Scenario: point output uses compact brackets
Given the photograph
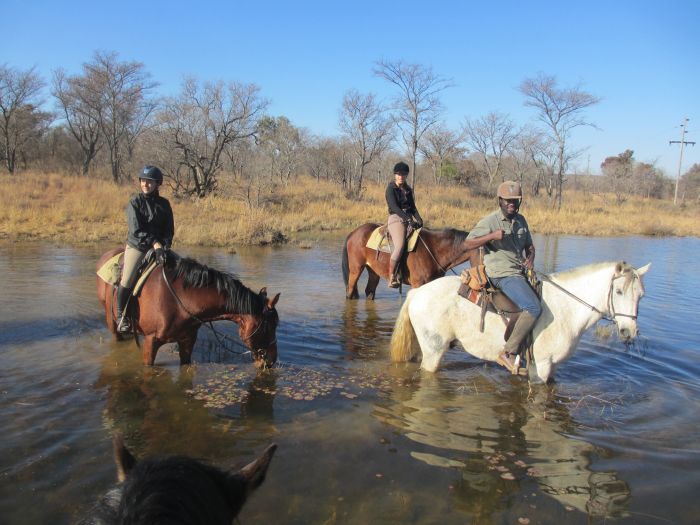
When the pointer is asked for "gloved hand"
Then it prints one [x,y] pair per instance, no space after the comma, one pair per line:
[160,256]
[417,223]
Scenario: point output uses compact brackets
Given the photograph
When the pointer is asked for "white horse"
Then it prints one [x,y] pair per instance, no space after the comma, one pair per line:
[434,316]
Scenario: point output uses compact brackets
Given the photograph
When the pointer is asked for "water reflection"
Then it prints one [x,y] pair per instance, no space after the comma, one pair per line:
[501,439]
[154,409]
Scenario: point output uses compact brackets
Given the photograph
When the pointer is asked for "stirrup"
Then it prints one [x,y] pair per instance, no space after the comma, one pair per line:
[394,283]
[124,326]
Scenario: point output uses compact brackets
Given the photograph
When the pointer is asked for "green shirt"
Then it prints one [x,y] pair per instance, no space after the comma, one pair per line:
[503,258]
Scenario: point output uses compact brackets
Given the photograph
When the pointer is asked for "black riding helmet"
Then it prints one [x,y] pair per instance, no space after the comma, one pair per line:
[152,173]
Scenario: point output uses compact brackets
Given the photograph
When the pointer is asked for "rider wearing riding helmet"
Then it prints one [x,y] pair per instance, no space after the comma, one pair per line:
[151,226]
[402,214]
[506,237]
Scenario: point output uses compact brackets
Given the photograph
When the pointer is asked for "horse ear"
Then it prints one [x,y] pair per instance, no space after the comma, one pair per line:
[271,303]
[253,474]
[122,457]
[644,269]
[263,291]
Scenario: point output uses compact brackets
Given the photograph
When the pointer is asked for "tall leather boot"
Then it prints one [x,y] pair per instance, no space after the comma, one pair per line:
[522,327]
[393,281]
[123,294]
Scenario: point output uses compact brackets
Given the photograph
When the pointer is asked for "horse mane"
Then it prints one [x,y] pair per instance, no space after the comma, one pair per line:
[239,298]
[579,271]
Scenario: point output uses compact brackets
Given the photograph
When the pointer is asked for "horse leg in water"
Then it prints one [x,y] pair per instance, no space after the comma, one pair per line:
[184,348]
[372,283]
[353,276]
[150,349]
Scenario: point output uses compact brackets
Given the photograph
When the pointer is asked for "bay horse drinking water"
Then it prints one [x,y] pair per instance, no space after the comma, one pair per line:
[434,316]
[175,301]
[436,252]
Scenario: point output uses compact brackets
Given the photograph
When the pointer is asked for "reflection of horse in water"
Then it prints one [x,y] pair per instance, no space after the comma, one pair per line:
[489,433]
[435,316]
[176,490]
[175,301]
[436,252]
[155,410]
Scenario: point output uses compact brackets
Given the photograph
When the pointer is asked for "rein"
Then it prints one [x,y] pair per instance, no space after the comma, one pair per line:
[611,305]
[218,335]
[444,271]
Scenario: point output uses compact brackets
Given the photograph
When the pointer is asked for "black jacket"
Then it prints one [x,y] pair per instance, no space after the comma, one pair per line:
[150,219]
[400,202]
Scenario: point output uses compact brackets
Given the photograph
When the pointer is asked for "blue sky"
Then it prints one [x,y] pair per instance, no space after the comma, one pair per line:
[640,57]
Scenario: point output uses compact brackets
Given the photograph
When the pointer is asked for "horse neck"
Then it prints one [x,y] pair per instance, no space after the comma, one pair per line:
[449,254]
[207,304]
[593,288]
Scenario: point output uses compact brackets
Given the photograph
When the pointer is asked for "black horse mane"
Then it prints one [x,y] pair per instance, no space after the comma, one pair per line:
[239,298]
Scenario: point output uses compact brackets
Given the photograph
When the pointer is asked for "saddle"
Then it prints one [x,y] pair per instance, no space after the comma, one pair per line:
[380,240]
[111,271]
[491,299]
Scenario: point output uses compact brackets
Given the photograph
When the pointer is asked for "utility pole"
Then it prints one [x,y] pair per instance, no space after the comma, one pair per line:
[682,142]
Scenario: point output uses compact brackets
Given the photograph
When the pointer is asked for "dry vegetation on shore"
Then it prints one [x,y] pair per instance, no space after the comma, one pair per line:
[75,210]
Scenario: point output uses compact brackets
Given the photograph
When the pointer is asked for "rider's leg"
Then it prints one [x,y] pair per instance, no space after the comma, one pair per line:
[397,230]
[132,260]
[526,299]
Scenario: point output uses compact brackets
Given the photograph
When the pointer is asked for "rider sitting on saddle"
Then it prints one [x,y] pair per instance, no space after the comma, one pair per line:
[402,214]
[506,238]
[151,226]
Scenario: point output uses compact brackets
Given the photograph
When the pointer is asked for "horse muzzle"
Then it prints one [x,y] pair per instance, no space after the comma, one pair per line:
[265,357]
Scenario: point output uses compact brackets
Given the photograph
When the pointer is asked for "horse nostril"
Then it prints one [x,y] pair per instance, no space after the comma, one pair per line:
[625,333]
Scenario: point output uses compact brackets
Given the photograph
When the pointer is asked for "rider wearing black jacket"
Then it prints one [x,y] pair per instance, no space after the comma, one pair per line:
[151,226]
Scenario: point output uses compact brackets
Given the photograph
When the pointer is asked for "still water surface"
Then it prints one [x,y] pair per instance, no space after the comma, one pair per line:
[361,440]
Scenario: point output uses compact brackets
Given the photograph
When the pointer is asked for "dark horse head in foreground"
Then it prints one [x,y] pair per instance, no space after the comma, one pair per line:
[175,301]
[176,490]
[436,252]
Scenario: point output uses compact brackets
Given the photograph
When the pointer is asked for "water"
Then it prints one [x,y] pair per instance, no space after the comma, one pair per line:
[361,440]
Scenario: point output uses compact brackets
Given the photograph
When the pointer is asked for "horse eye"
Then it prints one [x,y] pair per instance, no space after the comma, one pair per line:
[618,291]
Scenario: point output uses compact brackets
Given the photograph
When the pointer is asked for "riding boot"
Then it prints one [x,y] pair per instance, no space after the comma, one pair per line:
[393,281]
[522,327]
[123,294]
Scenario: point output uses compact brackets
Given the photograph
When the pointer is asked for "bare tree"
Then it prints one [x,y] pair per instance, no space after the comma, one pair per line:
[202,121]
[618,170]
[560,110]
[284,145]
[440,144]
[21,120]
[491,136]
[119,94]
[82,119]
[368,130]
[418,106]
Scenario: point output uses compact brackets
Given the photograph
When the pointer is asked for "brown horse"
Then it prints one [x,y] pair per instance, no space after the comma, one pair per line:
[176,300]
[436,252]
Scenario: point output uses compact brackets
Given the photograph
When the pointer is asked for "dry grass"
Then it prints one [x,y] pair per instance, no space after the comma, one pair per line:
[76,210]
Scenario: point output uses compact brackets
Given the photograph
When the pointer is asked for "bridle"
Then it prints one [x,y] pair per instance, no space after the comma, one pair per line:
[220,336]
[612,314]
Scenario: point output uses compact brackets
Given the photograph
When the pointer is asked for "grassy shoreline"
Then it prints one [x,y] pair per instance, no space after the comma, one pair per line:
[76,210]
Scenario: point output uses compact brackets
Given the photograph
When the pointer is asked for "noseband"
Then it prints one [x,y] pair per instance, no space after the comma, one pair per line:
[611,302]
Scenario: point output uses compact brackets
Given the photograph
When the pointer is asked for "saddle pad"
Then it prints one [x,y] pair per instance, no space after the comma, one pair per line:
[111,272]
[380,242]
[143,277]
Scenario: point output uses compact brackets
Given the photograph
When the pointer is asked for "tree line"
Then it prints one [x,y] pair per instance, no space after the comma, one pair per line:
[108,119]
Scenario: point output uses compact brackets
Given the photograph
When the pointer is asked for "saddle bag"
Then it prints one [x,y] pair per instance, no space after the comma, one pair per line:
[475,277]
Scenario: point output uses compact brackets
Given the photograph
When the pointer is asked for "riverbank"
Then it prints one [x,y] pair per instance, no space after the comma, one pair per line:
[77,210]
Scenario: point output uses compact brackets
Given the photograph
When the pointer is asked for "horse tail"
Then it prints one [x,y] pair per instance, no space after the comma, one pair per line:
[346,264]
[403,340]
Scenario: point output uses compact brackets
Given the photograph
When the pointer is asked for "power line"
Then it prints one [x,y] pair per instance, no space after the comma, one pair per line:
[682,142]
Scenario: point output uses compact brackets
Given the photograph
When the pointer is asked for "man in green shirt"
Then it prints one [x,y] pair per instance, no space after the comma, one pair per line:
[505,235]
